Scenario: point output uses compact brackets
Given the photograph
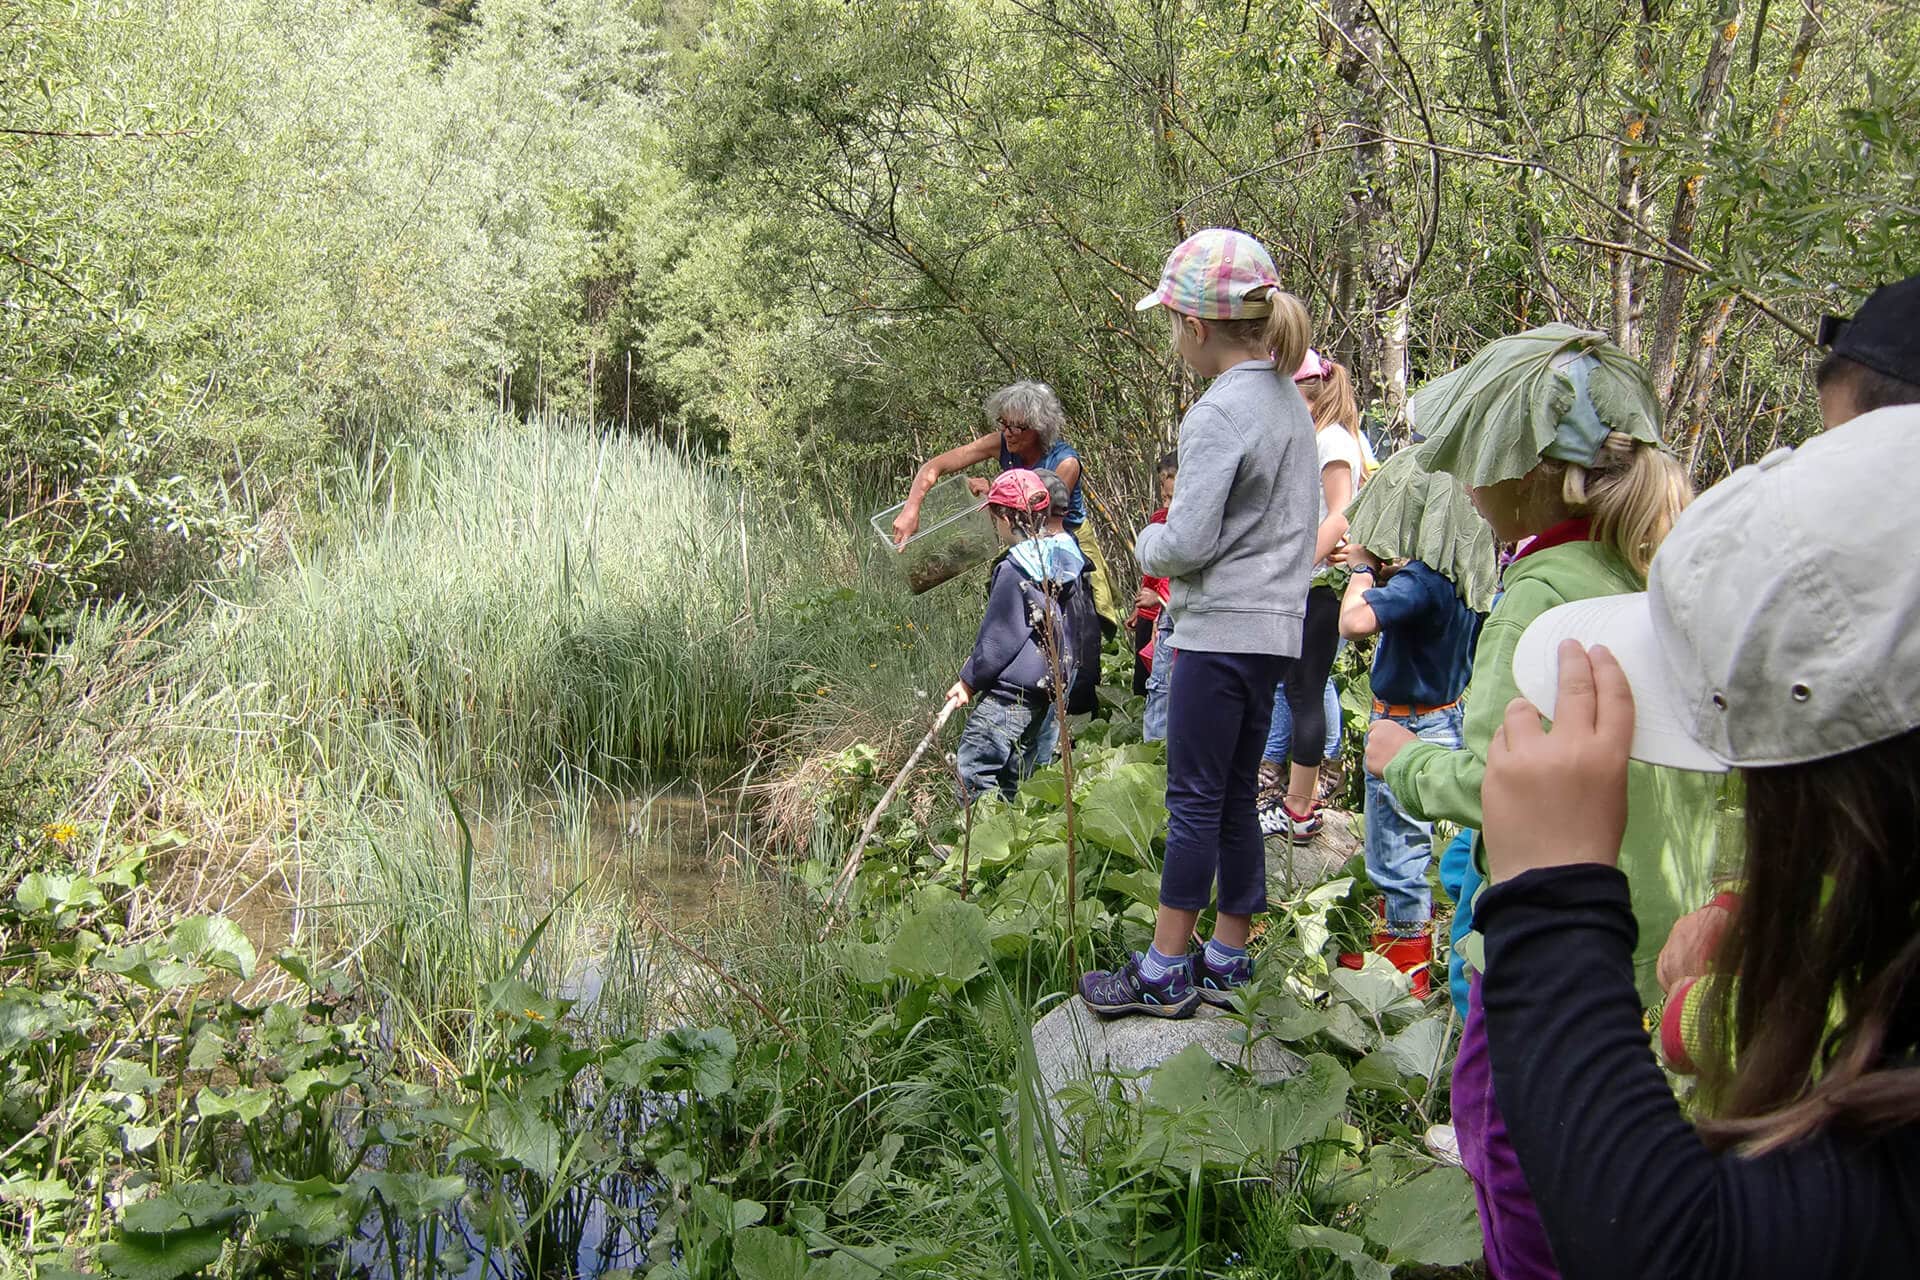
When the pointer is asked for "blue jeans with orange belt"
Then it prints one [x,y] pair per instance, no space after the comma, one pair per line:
[1400,846]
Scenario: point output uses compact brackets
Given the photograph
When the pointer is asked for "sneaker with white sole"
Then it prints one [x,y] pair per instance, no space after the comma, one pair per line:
[1277,819]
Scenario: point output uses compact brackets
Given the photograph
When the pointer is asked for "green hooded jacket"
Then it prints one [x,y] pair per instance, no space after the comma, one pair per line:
[1676,821]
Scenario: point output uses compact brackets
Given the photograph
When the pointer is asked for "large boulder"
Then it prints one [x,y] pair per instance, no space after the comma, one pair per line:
[1295,867]
[1074,1044]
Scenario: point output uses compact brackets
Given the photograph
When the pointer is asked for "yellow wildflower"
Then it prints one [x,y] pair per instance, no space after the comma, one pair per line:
[59,832]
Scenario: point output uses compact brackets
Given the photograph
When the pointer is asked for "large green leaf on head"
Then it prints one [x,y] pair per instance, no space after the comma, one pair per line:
[1405,512]
[1496,416]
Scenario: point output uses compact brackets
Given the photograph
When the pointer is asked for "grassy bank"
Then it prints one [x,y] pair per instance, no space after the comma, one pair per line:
[323,964]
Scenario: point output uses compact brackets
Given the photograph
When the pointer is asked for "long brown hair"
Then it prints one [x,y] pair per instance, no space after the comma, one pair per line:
[1823,954]
[1333,403]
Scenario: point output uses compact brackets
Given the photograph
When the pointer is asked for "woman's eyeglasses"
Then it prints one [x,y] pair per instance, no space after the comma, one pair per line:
[1012,426]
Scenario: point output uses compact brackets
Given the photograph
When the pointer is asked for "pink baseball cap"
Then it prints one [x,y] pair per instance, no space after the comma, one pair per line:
[1314,366]
[1211,275]
[1019,489]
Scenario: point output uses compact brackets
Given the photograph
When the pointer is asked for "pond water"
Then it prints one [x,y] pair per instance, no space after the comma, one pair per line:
[675,859]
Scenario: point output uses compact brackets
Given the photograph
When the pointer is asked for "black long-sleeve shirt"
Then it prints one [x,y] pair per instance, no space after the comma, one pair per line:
[1624,1186]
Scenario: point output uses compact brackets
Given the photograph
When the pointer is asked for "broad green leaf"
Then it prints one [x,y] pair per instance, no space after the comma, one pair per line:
[182,1207]
[1375,988]
[944,945]
[707,1054]
[1298,1109]
[244,1105]
[415,1197]
[761,1253]
[1420,1048]
[1125,810]
[849,1263]
[1430,1220]
[163,1257]
[214,941]
[1350,1249]
[21,1190]
[869,1179]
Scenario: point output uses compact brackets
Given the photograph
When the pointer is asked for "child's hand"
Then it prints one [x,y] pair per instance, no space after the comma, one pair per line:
[1146,598]
[1559,796]
[1385,740]
[1350,555]
[1690,948]
[958,695]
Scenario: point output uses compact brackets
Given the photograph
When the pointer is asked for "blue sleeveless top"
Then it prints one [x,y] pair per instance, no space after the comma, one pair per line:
[1061,451]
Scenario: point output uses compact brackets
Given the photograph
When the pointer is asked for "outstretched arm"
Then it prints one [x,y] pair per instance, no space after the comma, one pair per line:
[907,523]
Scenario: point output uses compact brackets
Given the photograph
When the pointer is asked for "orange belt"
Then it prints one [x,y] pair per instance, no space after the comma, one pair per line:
[1406,712]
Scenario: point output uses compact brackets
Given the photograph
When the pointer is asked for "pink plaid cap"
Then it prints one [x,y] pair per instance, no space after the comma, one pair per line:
[1314,366]
[1020,489]
[1210,274]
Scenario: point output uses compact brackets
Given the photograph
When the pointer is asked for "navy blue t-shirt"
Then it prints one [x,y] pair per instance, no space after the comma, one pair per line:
[1426,638]
[1061,451]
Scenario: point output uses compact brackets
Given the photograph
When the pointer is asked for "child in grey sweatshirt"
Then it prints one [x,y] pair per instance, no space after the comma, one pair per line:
[1238,547]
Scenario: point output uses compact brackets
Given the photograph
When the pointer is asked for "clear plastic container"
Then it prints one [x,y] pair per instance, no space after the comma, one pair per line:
[955,534]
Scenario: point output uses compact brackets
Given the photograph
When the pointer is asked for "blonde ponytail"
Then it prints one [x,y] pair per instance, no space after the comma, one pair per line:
[1288,332]
[1284,332]
[1633,493]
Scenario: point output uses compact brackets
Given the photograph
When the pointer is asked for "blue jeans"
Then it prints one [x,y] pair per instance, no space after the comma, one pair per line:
[1280,733]
[1004,741]
[1399,845]
[1153,723]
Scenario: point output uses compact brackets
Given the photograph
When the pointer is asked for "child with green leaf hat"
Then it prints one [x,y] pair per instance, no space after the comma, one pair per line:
[1556,435]
[1422,567]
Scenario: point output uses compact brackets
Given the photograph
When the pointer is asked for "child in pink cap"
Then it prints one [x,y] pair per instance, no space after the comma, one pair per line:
[1237,547]
[1012,729]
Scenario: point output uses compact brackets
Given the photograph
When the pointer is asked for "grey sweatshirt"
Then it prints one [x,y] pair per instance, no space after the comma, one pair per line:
[1238,541]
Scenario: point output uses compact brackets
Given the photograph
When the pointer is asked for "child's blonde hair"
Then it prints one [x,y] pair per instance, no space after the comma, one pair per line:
[1632,493]
[1285,330]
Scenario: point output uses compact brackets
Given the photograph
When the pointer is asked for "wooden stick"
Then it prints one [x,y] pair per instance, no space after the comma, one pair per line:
[844,881]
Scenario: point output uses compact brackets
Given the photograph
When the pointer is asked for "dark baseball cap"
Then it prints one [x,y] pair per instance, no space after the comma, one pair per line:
[1884,334]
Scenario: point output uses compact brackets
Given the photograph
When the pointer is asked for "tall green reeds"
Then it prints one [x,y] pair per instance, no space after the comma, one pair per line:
[538,598]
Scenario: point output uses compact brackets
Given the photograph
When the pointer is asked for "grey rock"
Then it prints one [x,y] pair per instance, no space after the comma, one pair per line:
[1074,1044]
[1292,869]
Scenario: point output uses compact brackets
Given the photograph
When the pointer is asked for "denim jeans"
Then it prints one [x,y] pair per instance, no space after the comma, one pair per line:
[1004,741]
[1279,748]
[1153,723]
[1399,845]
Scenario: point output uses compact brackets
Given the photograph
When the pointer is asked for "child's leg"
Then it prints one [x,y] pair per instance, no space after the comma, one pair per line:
[1279,730]
[1510,1226]
[1244,712]
[1142,637]
[1040,740]
[986,749]
[1330,701]
[1398,848]
[1203,723]
[1306,696]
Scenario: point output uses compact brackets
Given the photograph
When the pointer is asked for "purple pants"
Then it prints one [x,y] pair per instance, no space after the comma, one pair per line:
[1516,1241]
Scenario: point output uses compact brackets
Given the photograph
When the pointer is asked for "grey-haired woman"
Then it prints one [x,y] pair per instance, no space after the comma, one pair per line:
[1025,421]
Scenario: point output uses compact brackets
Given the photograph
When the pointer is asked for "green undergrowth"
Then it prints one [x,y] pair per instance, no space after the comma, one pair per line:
[457,1041]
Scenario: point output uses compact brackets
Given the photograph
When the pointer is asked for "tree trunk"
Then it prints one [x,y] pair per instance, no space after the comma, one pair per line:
[1789,97]
[1638,131]
[1368,246]
[1674,280]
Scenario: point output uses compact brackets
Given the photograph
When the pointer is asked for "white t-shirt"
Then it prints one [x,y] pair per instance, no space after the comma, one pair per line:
[1334,443]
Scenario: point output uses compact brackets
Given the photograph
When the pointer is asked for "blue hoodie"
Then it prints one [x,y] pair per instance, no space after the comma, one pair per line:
[1007,658]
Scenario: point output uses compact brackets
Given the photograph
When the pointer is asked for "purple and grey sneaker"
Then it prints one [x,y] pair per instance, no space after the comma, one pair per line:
[1112,993]
[1216,985]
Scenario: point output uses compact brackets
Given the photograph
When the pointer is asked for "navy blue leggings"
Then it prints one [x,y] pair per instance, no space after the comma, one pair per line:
[1217,717]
